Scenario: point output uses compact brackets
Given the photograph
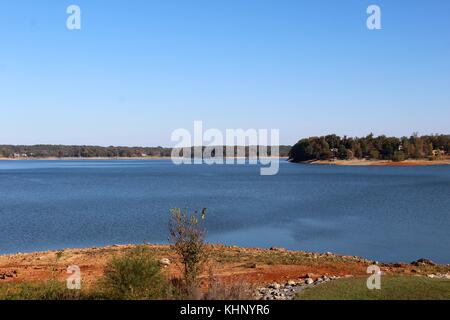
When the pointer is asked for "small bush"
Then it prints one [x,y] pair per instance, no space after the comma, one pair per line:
[187,234]
[136,275]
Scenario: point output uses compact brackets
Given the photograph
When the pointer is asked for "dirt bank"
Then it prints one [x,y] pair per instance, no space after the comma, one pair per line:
[229,264]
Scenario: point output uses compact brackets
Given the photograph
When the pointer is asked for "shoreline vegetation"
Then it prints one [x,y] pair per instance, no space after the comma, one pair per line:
[331,149]
[371,150]
[73,152]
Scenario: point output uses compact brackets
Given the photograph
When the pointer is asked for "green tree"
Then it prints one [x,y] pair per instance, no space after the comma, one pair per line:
[398,156]
[374,154]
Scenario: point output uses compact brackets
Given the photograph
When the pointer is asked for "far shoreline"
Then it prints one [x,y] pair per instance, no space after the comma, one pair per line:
[111,158]
[353,162]
[82,158]
[380,163]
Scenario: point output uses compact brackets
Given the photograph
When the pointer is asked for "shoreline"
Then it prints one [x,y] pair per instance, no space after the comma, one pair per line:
[356,162]
[232,264]
[380,163]
[112,159]
[83,159]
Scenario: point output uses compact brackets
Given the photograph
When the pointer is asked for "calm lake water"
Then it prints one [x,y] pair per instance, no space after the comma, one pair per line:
[382,213]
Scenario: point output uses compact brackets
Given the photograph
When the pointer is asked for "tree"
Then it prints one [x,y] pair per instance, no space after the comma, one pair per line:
[342,152]
[381,147]
[357,150]
[374,154]
[301,151]
[398,156]
[430,150]
[187,234]
[349,154]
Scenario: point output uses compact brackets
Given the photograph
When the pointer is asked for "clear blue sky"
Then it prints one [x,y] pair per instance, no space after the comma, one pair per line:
[137,70]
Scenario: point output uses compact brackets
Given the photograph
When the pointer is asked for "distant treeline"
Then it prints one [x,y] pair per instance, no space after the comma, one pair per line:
[239,151]
[313,148]
[370,147]
[63,151]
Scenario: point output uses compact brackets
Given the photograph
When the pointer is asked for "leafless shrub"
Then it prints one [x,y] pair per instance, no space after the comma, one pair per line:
[219,290]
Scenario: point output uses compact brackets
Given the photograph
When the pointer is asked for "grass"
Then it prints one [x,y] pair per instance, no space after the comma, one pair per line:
[50,290]
[230,255]
[392,288]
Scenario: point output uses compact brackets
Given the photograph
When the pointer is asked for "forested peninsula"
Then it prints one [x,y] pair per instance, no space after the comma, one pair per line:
[333,147]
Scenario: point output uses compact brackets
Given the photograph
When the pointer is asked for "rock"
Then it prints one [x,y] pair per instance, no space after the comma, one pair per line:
[423,262]
[399,265]
[431,276]
[277,249]
[275,286]
[288,290]
[251,265]
[164,262]
[309,275]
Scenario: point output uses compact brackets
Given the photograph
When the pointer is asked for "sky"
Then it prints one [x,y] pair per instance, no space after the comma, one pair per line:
[138,70]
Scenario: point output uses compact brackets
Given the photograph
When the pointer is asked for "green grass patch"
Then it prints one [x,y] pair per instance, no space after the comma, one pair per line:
[50,290]
[392,288]
[275,257]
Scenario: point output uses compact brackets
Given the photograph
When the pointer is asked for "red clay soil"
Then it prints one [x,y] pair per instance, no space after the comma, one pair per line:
[227,264]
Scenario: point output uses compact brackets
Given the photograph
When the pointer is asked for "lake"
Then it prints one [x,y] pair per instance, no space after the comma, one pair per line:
[382,213]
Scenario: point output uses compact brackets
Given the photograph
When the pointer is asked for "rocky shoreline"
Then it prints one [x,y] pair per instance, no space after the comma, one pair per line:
[288,290]
[272,274]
